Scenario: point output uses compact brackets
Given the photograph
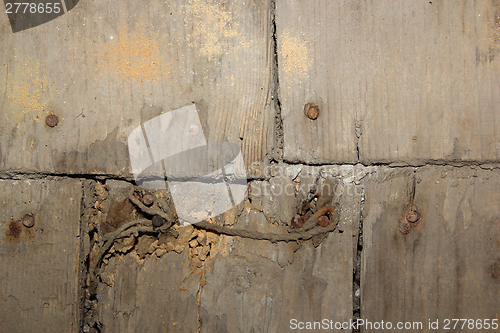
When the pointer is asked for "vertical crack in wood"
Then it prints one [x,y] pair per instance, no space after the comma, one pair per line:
[275,88]
[358,131]
[88,242]
[198,302]
[82,260]
[356,275]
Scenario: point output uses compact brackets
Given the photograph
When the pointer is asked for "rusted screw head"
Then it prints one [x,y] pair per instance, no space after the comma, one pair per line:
[148,200]
[323,221]
[412,216]
[28,221]
[404,227]
[51,120]
[311,111]
[158,221]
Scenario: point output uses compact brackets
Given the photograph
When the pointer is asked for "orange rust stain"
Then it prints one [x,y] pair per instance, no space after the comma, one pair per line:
[215,28]
[13,231]
[133,57]
[27,90]
[295,54]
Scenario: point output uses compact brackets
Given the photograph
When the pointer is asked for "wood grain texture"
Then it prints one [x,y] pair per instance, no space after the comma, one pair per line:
[395,81]
[158,295]
[105,67]
[39,265]
[220,283]
[447,265]
[259,286]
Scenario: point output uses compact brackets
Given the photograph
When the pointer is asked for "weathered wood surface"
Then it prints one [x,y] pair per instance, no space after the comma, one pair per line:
[395,81]
[448,265]
[258,286]
[39,266]
[232,284]
[106,66]
[157,295]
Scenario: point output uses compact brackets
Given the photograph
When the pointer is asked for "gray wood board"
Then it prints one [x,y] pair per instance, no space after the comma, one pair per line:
[39,266]
[258,286]
[395,81]
[241,284]
[105,67]
[157,295]
[448,265]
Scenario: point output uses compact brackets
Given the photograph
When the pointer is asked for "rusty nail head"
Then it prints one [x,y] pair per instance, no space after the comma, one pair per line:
[158,221]
[404,227]
[323,221]
[148,200]
[51,120]
[311,111]
[412,216]
[28,221]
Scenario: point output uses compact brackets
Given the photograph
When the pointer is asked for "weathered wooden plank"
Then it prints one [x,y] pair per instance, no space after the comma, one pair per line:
[157,295]
[261,287]
[145,285]
[447,265]
[105,67]
[219,283]
[39,265]
[397,81]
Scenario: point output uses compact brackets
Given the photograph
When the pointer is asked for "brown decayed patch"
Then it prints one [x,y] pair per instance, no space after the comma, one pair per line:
[13,231]
[118,214]
[495,270]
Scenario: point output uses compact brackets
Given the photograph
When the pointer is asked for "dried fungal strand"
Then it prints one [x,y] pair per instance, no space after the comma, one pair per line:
[168,235]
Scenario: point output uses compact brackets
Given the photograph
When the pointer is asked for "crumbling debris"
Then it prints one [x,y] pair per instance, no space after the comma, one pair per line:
[125,244]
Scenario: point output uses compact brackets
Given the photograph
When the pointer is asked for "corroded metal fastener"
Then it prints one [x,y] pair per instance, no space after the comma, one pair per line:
[51,120]
[311,111]
[412,216]
[158,221]
[148,200]
[28,221]
[323,221]
[404,227]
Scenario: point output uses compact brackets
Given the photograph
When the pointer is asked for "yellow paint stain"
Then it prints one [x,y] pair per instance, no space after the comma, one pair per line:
[133,57]
[215,29]
[295,55]
[25,88]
